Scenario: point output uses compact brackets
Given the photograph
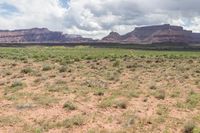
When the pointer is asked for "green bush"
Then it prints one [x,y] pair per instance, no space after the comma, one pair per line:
[26,70]
[74,121]
[62,69]
[116,63]
[69,106]
[120,104]
[189,127]
[160,94]
[46,68]
[193,100]
[17,84]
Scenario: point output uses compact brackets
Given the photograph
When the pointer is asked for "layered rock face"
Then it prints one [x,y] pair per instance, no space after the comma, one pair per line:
[38,35]
[196,37]
[156,34]
[113,36]
[141,35]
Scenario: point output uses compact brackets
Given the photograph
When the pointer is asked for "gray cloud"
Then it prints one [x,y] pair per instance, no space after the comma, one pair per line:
[96,18]
[110,14]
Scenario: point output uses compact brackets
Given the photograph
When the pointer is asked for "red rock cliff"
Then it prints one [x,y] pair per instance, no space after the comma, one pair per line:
[156,34]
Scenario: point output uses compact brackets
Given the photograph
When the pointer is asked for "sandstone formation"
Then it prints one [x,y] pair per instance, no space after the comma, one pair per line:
[113,36]
[155,34]
[141,35]
[38,35]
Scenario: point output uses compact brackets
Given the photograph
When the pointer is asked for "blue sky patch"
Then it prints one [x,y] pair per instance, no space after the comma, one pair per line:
[7,9]
[64,3]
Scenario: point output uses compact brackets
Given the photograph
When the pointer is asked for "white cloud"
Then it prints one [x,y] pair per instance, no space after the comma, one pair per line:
[123,15]
[96,18]
[33,13]
[195,24]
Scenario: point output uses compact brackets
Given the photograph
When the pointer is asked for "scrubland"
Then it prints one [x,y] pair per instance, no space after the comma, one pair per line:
[96,90]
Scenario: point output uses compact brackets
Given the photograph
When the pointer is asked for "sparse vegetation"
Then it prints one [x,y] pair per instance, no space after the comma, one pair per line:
[160,94]
[44,100]
[9,120]
[121,104]
[46,67]
[189,127]
[77,120]
[17,84]
[193,100]
[26,70]
[62,69]
[69,106]
[116,63]
[83,89]
[14,87]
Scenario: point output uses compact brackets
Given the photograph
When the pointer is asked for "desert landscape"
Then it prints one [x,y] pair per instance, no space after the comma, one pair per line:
[99,66]
[98,90]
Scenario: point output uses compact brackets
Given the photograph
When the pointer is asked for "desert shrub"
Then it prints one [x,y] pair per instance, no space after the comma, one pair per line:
[113,76]
[196,130]
[44,100]
[190,61]
[9,120]
[162,110]
[175,94]
[62,69]
[96,84]
[17,84]
[77,59]
[129,119]
[46,67]
[192,100]
[77,120]
[107,102]
[120,104]
[24,106]
[69,106]
[153,87]
[189,127]
[116,63]
[7,73]
[58,86]
[99,92]
[26,70]
[112,102]
[160,94]
[197,71]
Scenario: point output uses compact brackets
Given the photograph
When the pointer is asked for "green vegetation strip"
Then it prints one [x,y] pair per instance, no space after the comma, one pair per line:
[79,53]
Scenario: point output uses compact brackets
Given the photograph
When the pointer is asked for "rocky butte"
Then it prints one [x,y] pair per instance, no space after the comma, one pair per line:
[155,34]
[141,35]
[39,35]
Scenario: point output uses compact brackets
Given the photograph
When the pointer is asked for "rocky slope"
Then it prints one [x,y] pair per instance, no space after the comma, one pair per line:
[113,36]
[141,35]
[38,35]
[155,34]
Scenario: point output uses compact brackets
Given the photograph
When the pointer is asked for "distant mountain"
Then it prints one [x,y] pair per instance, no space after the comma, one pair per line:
[141,35]
[113,36]
[39,35]
[155,34]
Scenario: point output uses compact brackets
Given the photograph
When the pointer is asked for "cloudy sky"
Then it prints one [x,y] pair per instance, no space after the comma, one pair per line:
[96,18]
